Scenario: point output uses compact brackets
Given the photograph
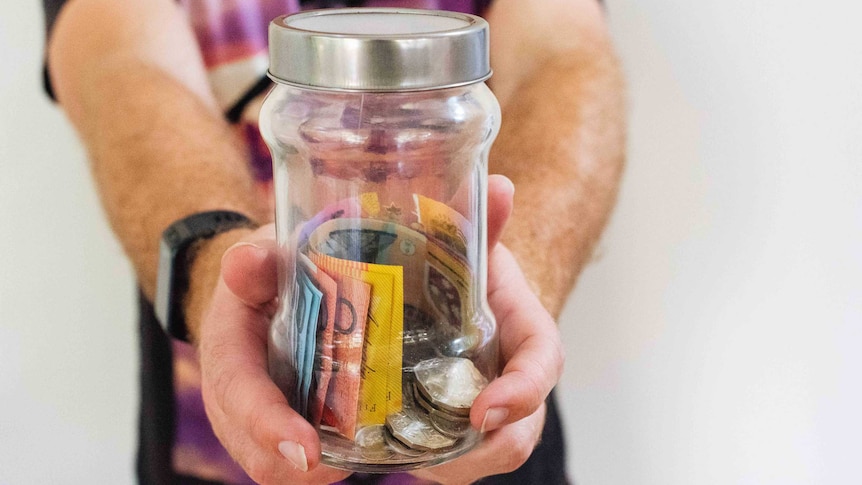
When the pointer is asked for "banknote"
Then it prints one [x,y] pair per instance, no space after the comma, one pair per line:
[350,207]
[348,337]
[370,241]
[448,284]
[444,224]
[365,205]
[437,279]
[380,390]
[322,367]
[310,354]
[347,239]
[370,204]
[307,311]
[300,307]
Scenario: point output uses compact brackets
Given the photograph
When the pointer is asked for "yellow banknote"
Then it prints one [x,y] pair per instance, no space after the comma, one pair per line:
[448,287]
[380,391]
[444,223]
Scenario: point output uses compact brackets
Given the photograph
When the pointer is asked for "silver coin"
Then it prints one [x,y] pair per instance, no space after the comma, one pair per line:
[450,383]
[371,441]
[417,399]
[449,425]
[422,402]
[429,405]
[400,448]
[416,431]
[451,428]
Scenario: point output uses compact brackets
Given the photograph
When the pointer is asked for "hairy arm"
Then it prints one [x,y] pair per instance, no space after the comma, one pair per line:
[562,141]
[130,79]
[132,82]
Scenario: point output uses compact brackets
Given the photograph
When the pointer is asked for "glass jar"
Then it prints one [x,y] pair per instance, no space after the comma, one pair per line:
[380,125]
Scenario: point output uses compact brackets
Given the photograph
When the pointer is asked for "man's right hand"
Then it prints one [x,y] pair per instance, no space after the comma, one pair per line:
[249,414]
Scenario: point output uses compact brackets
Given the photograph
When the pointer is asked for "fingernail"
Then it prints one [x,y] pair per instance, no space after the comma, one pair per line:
[245,244]
[295,453]
[242,244]
[494,417]
[511,185]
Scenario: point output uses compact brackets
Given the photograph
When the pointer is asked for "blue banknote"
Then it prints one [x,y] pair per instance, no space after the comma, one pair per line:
[307,312]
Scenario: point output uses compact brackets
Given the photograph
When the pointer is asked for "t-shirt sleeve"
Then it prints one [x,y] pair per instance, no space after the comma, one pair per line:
[51,8]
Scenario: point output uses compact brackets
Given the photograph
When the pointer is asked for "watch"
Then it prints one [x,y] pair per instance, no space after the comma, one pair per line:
[176,253]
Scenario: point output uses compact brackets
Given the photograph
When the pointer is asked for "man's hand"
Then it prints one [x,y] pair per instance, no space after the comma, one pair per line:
[249,414]
[274,444]
[512,408]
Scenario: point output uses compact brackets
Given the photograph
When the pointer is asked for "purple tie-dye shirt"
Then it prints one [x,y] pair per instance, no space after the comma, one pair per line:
[233,38]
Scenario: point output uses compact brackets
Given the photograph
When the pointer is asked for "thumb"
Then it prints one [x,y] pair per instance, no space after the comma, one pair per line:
[250,267]
[501,193]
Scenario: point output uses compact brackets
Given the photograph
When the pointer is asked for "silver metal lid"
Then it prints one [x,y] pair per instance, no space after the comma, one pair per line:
[378,49]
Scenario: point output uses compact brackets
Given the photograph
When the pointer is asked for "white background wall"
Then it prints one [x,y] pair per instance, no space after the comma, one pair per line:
[715,340]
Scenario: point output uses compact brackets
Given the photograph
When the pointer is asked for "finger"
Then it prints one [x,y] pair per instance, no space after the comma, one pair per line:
[265,465]
[501,192]
[267,469]
[501,451]
[250,415]
[530,345]
[250,267]
[235,379]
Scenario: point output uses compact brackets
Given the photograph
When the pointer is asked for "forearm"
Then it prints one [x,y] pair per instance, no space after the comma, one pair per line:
[562,143]
[159,150]
[159,155]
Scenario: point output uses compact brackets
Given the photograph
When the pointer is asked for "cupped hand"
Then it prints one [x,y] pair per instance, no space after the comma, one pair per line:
[248,413]
[512,408]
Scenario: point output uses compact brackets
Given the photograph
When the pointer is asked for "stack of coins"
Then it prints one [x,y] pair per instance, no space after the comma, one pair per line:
[411,434]
[436,412]
[445,388]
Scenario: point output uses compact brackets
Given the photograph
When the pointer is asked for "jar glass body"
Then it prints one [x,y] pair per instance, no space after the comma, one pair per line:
[381,222]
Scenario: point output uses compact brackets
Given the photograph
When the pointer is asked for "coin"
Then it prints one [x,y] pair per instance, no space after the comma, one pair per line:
[422,401]
[450,383]
[416,431]
[447,424]
[419,399]
[451,428]
[401,448]
[372,443]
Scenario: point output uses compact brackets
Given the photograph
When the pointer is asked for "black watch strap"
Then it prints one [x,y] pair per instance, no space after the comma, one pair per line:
[175,257]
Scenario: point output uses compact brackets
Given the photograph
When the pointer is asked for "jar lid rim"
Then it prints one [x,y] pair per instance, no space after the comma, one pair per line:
[379,49]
